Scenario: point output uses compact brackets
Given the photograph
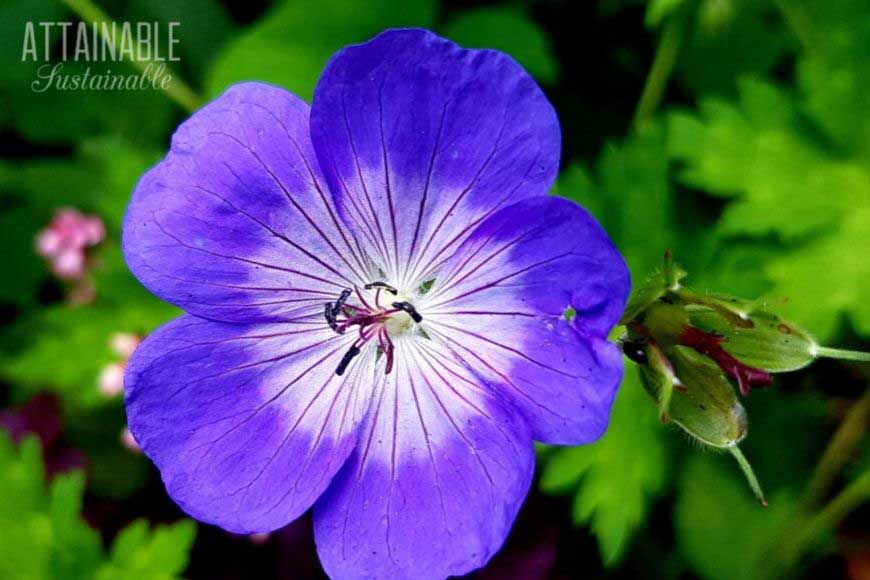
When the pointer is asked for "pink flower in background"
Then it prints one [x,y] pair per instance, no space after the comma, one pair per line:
[260,538]
[65,240]
[124,343]
[129,441]
[111,380]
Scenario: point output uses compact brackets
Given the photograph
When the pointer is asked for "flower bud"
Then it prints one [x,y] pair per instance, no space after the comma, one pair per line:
[694,393]
[745,339]
[689,345]
[703,402]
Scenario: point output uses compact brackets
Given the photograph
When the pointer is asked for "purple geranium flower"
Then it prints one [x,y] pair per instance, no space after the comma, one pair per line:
[377,292]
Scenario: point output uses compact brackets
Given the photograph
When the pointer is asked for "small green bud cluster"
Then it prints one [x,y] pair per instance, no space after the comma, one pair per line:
[690,347]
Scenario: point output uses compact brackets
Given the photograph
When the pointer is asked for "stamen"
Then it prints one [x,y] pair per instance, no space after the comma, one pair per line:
[407,307]
[387,347]
[345,360]
[333,309]
[329,313]
[362,300]
[342,298]
[382,285]
[373,322]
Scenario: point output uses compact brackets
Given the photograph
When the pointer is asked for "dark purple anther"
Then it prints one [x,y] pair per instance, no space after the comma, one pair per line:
[345,360]
[382,286]
[407,307]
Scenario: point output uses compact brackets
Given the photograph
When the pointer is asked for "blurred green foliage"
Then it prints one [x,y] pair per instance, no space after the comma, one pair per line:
[720,528]
[43,535]
[292,43]
[508,30]
[620,474]
[754,170]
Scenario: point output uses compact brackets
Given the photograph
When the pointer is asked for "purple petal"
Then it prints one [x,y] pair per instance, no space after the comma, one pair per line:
[420,140]
[435,484]
[234,224]
[247,423]
[500,303]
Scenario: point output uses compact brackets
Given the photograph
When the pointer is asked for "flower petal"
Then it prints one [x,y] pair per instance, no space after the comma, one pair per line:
[247,423]
[501,301]
[234,223]
[420,140]
[436,482]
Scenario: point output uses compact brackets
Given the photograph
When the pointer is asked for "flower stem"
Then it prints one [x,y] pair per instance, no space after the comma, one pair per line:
[855,355]
[798,21]
[175,88]
[749,473]
[829,516]
[848,436]
[665,60]
[813,527]
[807,526]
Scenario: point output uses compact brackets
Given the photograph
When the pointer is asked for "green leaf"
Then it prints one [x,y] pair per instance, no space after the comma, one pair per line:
[721,530]
[159,555]
[509,30]
[630,194]
[730,39]
[754,152]
[634,177]
[834,74]
[615,479]
[826,278]
[47,183]
[77,546]
[290,46]
[720,145]
[67,116]
[43,535]
[784,183]
[577,183]
[23,272]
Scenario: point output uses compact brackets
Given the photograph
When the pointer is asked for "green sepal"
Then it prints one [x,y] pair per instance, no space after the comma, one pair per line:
[703,402]
[762,340]
[735,309]
[708,319]
[666,280]
[771,344]
[643,297]
[658,380]
[665,322]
